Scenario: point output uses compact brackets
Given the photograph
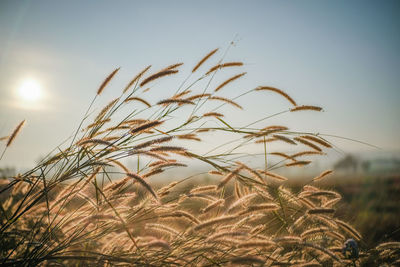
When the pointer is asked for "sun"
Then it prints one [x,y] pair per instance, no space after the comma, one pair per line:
[30,90]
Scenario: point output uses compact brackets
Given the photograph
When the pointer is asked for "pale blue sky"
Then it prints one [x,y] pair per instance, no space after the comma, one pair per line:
[342,55]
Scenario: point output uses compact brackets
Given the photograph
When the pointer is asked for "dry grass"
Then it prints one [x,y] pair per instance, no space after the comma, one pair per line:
[69,211]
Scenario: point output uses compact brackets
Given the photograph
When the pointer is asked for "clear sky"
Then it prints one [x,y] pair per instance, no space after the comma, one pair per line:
[342,55]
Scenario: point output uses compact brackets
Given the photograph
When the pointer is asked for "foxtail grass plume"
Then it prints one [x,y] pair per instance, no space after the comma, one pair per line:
[304,107]
[189,137]
[136,78]
[229,81]
[284,139]
[213,205]
[153,142]
[306,153]
[278,91]
[224,65]
[137,177]
[138,99]
[204,59]
[14,134]
[174,101]
[106,81]
[173,66]
[322,175]
[194,97]
[157,75]
[213,114]
[317,140]
[146,126]
[180,95]
[298,163]
[307,143]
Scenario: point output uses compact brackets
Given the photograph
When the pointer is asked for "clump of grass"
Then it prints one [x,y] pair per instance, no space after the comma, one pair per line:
[83,205]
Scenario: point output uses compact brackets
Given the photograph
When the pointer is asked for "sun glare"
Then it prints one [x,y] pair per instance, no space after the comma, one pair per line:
[30,90]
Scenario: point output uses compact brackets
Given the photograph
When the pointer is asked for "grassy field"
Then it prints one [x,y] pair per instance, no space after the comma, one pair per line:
[369,203]
[82,206]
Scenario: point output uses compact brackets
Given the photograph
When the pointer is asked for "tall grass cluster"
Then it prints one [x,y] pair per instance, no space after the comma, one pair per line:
[81,205]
